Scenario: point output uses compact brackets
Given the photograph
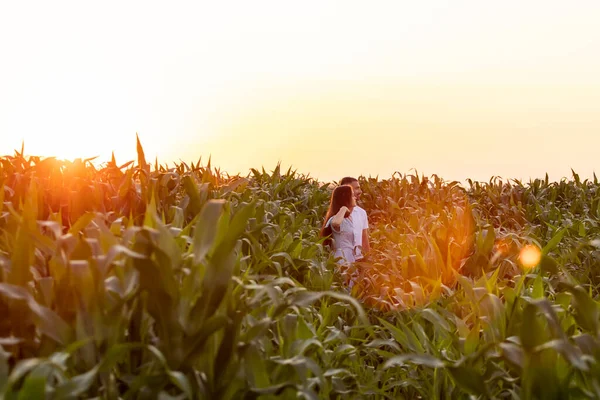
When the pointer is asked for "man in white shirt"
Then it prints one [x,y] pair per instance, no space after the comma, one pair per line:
[360,221]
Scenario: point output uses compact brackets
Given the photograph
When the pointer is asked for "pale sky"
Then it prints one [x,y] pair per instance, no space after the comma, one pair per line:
[462,89]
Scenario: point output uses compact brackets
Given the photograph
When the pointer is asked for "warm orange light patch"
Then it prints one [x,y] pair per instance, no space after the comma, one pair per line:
[503,246]
[530,256]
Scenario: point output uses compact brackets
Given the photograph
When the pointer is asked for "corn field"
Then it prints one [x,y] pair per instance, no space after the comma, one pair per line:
[144,281]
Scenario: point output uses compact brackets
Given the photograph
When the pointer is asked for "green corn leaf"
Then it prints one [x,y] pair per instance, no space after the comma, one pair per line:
[182,382]
[4,368]
[20,370]
[469,379]
[34,386]
[78,385]
[558,236]
[513,353]
[488,242]
[532,331]
[436,319]
[256,368]
[205,231]
[588,311]
[47,320]
[538,288]
[197,196]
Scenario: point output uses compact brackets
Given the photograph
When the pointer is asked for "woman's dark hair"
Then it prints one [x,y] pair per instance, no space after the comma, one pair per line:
[341,196]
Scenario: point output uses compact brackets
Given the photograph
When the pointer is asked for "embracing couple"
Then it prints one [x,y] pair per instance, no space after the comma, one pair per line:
[346,227]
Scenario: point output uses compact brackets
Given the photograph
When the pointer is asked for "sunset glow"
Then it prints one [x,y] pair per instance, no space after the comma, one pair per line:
[461,89]
[317,199]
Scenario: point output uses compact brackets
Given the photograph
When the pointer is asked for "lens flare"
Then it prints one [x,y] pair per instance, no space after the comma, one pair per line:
[530,256]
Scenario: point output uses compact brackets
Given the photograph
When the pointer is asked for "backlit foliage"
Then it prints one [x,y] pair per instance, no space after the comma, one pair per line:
[142,280]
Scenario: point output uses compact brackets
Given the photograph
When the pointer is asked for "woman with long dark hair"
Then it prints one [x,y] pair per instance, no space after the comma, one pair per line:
[337,227]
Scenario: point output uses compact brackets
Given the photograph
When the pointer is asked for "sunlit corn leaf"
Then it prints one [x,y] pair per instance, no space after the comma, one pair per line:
[513,353]
[435,318]
[205,231]
[222,259]
[81,223]
[20,370]
[23,251]
[140,153]
[77,385]
[197,197]
[569,352]
[558,236]
[473,339]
